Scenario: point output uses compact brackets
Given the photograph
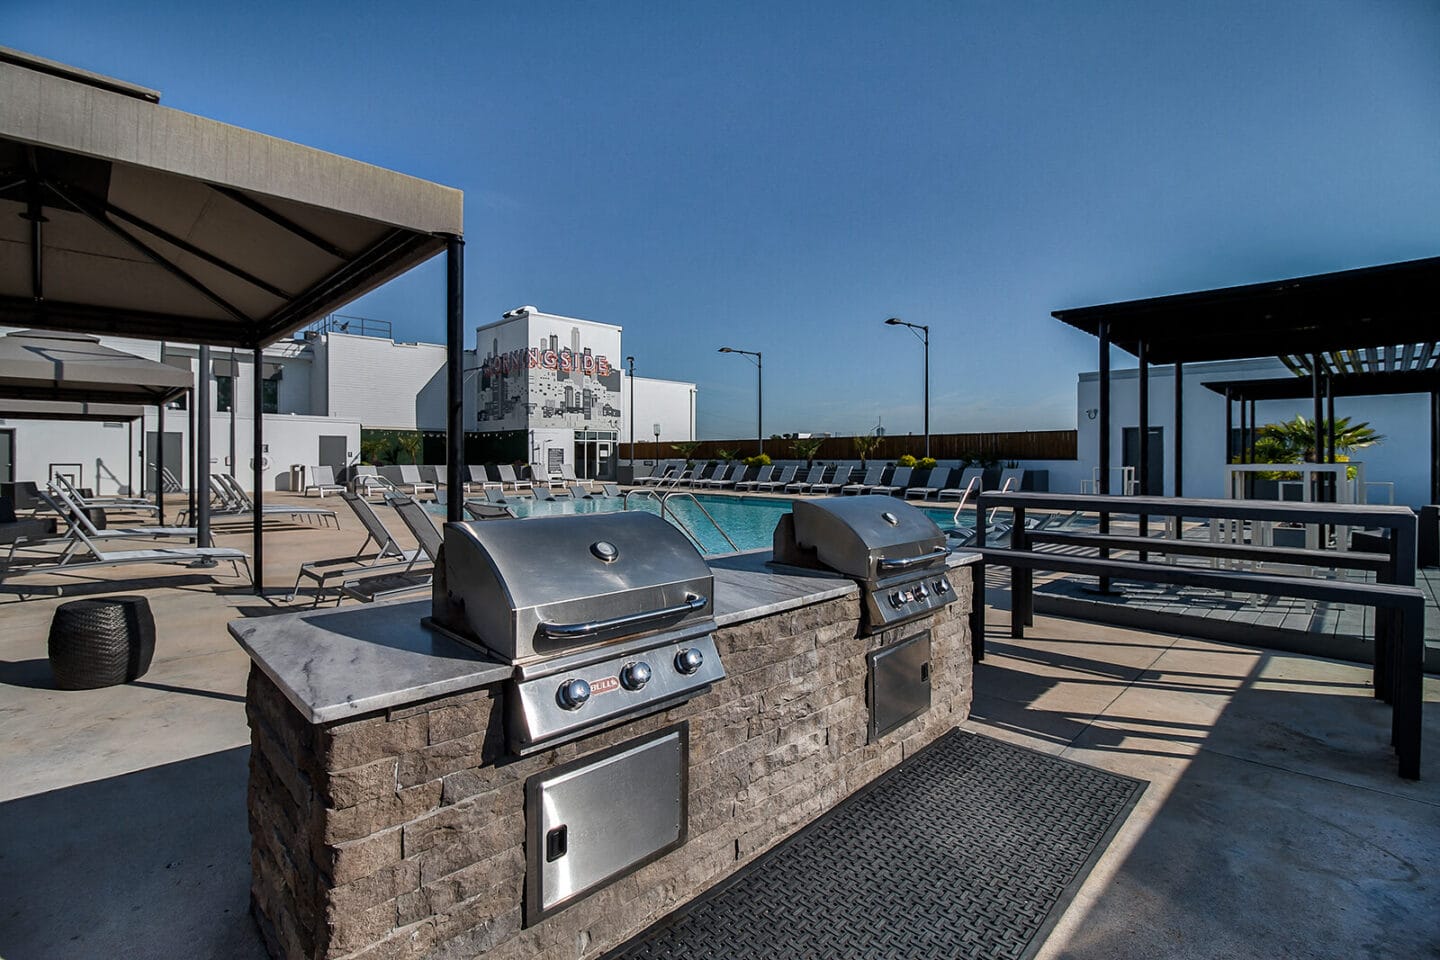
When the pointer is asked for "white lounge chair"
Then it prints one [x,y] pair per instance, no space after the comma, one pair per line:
[898,481]
[508,480]
[761,476]
[873,473]
[971,482]
[837,482]
[939,477]
[411,481]
[814,475]
[322,481]
[383,586]
[778,480]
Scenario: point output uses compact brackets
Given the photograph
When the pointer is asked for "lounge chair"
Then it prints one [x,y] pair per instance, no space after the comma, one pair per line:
[410,478]
[325,572]
[322,481]
[610,491]
[971,482]
[778,481]
[508,480]
[136,504]
[496,496]
[479,479]
[1012,480]
[937,480]
[873,473]
[663,471]
[898,482]
[236,503]
[814,475]
[382,586]
[723,476]
[366,481]
[87,556]
[80,525]
[763,476]
[543,493]
[481,510]
[837,482]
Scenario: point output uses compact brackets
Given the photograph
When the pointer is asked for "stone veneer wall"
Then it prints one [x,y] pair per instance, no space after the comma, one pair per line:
[399,835]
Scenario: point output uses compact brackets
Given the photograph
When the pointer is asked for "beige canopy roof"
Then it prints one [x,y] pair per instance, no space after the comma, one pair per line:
[118,215]
[72,367]
[68,410]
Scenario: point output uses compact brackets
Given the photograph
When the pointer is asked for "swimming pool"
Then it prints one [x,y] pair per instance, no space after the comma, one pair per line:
[748,521]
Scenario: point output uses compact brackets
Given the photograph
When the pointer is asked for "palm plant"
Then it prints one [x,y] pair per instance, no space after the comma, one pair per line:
[806,448]
[410,444]
[686,448]
[1293,441]
[868,445]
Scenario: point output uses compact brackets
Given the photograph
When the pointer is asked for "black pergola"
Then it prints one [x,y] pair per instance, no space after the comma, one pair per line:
[1326,324]
[120,216]
[1371,380]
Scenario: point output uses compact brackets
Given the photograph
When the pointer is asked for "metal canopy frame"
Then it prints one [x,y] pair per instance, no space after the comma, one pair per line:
[133,219]
[1325,323]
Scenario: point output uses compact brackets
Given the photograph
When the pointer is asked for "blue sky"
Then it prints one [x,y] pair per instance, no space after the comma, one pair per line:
[783,177]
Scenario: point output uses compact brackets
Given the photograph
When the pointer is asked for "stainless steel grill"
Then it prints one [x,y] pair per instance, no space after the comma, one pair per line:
[605,617]
[894,550]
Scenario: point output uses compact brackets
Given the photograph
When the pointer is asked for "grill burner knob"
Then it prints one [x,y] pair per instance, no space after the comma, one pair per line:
[573,694]
[635,675]
[688,661]
[922,592]
[897,600]
[941,586]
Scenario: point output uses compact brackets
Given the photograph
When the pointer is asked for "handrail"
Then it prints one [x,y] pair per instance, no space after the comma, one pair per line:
[664,501]
[665,505]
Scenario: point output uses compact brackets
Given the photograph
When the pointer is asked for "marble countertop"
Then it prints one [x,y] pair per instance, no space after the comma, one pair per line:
[333,664]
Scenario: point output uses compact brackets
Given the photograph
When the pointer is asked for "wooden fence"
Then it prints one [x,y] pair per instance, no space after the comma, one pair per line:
[999,447]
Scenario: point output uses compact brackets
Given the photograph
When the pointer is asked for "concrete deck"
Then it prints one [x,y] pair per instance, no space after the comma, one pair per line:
[1275,825]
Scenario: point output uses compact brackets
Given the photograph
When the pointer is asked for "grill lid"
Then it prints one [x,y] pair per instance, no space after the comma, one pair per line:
[546,585]
[869,536]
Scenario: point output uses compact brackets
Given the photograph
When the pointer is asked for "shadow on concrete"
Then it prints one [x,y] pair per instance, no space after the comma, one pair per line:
[37,675]
[154,864]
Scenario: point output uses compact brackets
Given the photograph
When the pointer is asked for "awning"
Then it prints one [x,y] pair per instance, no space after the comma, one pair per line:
[68,410]
[118,215]
[51,366]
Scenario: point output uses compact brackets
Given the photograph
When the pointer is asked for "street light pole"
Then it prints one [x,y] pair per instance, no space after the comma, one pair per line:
[759,392]
[925,339]
[631,362]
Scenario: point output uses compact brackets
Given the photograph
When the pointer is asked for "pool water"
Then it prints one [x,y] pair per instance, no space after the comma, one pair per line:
[748,521]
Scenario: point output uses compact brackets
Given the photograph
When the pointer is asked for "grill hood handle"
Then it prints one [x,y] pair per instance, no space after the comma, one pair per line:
[569,631]
[888,563]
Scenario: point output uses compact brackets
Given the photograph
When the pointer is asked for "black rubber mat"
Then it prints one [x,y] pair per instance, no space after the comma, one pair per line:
[972,848]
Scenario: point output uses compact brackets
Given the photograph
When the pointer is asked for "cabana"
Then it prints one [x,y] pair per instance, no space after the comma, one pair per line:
[1373,312]
[120,216]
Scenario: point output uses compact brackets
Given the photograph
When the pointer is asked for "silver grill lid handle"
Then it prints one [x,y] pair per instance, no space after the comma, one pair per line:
[569,631]
[889,563]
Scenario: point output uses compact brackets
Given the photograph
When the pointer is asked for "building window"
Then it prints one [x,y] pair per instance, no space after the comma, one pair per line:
[224,393]
[270,396]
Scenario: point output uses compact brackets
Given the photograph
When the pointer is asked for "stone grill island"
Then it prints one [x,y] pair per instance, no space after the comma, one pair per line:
[391,817]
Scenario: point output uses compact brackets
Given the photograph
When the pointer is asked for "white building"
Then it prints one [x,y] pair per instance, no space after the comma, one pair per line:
[1404,420]
[558,386]
[319,392]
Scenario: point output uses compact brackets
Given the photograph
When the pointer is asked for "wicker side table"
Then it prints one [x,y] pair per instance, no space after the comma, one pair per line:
[101,642]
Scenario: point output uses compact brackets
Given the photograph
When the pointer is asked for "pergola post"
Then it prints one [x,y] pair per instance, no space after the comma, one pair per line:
[1229,437]
[1142,475]
[1318,456]
[1102,483]
[1435,446]
[257,522]
[190,409]
[454,378]
[201,486]
[159,453]
[1180,428]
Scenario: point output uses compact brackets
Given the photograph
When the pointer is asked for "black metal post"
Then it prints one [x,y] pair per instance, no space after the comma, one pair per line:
[159,452]
[1142,354]
[1435,446]
[1180,428]
[201,512]
[190,410]
[1102,484]
[234,402]
[455,397]
[130,455]
[1317,487]
[760,399]
[927,389]
[631,362]
[257,523]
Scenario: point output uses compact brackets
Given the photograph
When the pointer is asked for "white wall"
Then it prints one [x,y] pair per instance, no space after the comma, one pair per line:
[670,403]
[100,451]
[383,384]
[1404,420]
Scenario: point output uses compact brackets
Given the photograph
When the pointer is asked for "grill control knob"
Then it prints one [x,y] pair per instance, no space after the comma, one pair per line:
[922,591]
[573,694]
[688,661]
[635,675]
[941,586]
[897,600]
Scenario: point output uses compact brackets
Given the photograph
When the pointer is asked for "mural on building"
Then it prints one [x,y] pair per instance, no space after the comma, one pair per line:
[539,371]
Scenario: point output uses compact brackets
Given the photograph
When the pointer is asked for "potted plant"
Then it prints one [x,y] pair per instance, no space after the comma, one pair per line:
[867,446]
[806,448]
